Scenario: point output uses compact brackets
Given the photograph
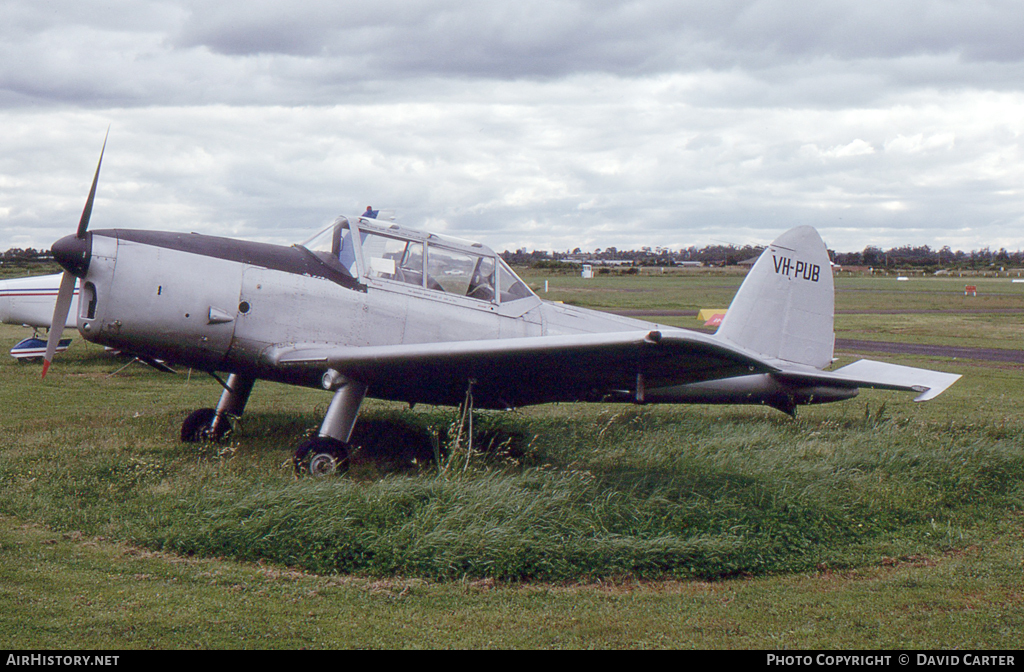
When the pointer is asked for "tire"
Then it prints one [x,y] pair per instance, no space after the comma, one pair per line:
[198,426]
[321,456]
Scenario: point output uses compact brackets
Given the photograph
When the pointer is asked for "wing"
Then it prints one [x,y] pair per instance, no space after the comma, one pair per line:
[514,372]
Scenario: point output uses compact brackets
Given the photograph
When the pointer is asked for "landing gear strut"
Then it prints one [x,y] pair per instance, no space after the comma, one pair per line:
[208,424]
[327,453]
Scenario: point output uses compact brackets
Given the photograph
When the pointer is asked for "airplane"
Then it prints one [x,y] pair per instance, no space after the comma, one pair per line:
[29,302]
[371,308]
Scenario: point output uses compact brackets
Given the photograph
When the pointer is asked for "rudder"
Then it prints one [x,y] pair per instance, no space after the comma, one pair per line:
[785,307]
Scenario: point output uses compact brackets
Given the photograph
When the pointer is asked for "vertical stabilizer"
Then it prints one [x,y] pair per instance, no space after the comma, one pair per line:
[784,308]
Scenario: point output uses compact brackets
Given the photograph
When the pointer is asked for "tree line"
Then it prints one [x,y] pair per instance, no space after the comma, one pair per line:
[710,255]
[30,254]
[905,256]
[926,257]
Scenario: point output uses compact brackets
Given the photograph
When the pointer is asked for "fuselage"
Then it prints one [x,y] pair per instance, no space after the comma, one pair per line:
[225,305]
[29,301]
[221,304]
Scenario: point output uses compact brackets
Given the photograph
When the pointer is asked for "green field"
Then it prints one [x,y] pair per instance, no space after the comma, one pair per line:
[872,523]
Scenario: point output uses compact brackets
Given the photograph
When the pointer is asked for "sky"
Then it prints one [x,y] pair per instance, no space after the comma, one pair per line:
[538,124]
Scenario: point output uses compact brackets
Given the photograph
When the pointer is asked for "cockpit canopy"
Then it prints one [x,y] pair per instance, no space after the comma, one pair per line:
[368,248]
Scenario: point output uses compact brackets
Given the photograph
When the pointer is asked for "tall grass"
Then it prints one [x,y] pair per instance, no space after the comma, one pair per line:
[562,492]
[576,492]
[732,497]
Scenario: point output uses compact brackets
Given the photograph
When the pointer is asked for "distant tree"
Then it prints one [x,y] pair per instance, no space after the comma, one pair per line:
[872,256]
[719,255]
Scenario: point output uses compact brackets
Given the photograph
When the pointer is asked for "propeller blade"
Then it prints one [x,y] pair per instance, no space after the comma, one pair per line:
[67,281]
[83,224]
[60,317]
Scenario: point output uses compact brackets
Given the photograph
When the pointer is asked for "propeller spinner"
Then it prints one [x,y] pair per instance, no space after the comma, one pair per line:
[72,253]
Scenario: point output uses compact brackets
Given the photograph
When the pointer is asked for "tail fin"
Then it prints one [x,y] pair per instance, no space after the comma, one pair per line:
[784,308]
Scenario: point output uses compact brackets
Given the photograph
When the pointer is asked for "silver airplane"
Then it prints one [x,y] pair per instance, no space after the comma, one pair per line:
[368,308]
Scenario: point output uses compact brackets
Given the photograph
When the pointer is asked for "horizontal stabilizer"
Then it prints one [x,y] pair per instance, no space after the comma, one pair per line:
[882,376]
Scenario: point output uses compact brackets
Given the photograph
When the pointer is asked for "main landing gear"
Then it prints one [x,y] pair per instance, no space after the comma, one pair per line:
[209,424]
[326,453]
[321,456]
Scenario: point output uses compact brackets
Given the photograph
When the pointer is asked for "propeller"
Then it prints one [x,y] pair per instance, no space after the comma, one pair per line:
[71,252]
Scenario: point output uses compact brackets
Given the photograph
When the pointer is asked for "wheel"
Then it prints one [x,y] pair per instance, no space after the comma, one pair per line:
[321,456]
[198,426]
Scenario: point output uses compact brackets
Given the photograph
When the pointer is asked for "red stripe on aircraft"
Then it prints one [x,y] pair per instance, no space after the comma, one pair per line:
[33,293]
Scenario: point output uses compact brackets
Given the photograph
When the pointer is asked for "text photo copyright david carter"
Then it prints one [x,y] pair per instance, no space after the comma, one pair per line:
[890,659]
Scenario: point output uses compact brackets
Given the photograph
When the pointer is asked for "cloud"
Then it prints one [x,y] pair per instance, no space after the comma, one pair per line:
[646,35]
[855,148]
[267,52]
[918,143]
[548,124]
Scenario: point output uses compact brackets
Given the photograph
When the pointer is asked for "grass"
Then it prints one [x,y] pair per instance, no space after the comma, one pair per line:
[984,330]
[871,523]
[68,590]
[20,269]
[585,491]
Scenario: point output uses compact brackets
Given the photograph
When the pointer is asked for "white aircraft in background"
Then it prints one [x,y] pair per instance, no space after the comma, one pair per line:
[29,302]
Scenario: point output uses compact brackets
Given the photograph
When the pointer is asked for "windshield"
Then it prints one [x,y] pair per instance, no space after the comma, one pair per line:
[334,246]
[510,286]
[321,238]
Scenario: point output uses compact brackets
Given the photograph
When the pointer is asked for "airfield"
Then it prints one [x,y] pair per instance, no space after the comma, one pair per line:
[871,523]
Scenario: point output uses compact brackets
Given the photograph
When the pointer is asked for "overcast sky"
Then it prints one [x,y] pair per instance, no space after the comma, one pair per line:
[545,124]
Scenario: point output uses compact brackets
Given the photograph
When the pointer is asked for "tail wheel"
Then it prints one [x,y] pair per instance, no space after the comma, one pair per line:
[321,456]
[198,426]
